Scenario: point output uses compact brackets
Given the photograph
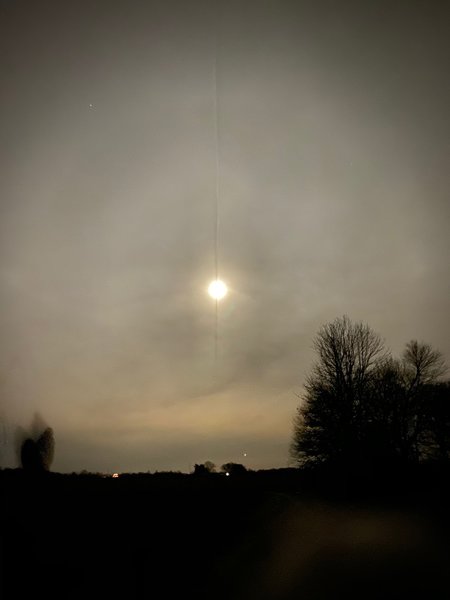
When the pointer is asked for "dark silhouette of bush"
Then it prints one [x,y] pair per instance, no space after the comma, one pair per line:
[234,468]
[205,468]
[38,455]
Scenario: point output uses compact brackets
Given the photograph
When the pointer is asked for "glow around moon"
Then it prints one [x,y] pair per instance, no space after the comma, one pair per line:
[217,289]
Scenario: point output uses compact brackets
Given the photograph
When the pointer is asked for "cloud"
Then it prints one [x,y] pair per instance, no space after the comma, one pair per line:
[333,200]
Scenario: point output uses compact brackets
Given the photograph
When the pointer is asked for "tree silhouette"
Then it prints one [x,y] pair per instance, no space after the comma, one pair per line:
[335,416]
[37,455]
[234,468]
[204,468]
[418,372]
[422,364]
[435,435]
[363,407]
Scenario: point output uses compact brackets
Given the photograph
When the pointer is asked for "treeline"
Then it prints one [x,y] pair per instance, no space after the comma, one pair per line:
[363,407]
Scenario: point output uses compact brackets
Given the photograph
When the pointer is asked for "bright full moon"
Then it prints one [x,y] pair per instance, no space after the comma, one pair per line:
[217,289]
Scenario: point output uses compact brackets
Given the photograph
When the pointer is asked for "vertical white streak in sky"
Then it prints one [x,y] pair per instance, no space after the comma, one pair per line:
[217,153]
[217,198]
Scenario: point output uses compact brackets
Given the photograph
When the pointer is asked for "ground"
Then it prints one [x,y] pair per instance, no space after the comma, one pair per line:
[265,535]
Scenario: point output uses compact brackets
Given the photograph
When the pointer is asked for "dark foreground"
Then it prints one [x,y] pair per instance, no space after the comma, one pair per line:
[266,535]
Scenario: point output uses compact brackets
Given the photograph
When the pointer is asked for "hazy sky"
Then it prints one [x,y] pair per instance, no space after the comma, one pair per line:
[334,198]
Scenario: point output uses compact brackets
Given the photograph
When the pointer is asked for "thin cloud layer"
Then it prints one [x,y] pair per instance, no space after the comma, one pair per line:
[333,199]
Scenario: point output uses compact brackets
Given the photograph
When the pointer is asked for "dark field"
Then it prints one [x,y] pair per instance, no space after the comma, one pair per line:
[267,535]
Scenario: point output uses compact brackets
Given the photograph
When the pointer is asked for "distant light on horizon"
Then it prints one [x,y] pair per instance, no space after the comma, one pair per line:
[217,289]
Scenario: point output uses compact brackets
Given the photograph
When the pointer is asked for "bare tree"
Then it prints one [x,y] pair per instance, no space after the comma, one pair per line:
[333,417]
[422,364]
[361,405]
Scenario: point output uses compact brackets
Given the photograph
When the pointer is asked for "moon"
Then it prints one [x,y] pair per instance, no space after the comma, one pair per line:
[217,289]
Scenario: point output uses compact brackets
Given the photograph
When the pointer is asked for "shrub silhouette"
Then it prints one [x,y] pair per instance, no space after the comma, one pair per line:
[38,455]
[205,468]
[234,468]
